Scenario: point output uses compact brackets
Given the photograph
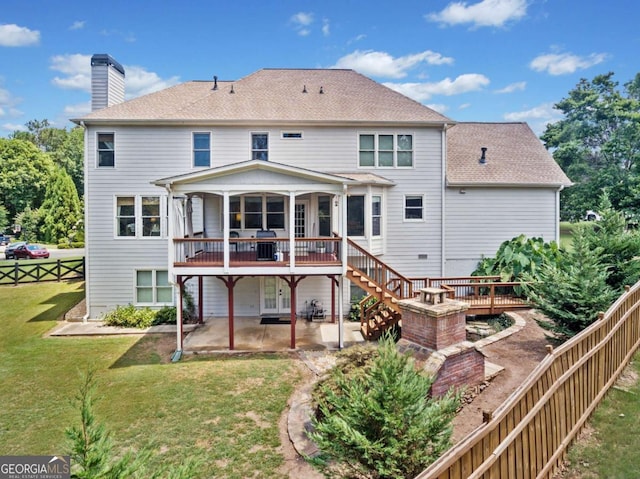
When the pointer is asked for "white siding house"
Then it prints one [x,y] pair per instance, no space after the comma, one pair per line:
[182,184]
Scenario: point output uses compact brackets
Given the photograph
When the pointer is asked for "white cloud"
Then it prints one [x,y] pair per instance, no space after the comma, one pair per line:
[326,29]
[424,91]
[518,86]
[487,13]
[537,117]
[77,71]
[77,110]
[12,35]
[301,22]
[381,64]
[565,63]
[8,102]
[13,127]
[439,107]
[358,38]
[78,25]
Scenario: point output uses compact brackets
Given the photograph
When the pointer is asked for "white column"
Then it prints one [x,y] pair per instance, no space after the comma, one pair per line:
[341,312]
[292,233]
[225,230]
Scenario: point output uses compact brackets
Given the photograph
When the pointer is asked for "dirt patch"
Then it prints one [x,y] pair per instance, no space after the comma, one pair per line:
[518,354]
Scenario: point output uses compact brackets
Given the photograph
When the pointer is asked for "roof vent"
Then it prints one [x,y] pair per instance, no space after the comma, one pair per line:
[215,82]
[304,89]
[321,90]
[483,157]
[232,90]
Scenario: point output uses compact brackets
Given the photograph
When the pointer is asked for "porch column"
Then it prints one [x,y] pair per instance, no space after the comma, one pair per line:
[225,231]
[179,318]
[292,232]
[341,312]
[200,305]
[293,287]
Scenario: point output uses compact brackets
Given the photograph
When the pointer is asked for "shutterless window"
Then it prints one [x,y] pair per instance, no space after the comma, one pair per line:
[324,215]
[150,216]
[253,212]
[202,149]
[152,287]
[413,207]
[376,215]
[260,146]
[355,216]
[106,150]
[405,150]
[235,213]
[367,150]
[291,135]
[385,150]
[275,212]
[126,215]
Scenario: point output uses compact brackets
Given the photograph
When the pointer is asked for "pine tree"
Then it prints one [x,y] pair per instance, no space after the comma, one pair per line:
[382,424]
[61,207]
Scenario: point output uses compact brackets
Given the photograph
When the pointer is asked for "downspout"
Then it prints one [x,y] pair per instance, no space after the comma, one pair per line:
[443,190]
[87,284]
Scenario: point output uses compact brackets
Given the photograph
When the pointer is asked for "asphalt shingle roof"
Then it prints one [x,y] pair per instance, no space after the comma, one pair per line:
[515,156]
[276,95]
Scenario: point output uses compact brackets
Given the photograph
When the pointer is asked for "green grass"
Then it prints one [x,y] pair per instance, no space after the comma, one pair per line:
[610,449]
[222,412]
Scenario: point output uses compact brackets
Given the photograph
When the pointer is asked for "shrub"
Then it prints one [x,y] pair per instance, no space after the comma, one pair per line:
[131,317]
[518,256]
[166,315]
[573,292]
[380,422]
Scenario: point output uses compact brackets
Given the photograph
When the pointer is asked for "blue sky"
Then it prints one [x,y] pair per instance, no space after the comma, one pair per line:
[474,60]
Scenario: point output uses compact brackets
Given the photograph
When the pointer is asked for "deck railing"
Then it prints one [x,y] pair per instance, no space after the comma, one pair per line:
[256,251]
[528,435]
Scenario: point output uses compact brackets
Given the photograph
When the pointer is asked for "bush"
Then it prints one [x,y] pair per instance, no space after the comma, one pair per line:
[166,315]
[378,421]
[130,317]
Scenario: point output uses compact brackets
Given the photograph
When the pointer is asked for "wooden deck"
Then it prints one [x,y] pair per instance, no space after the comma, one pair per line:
[251,258]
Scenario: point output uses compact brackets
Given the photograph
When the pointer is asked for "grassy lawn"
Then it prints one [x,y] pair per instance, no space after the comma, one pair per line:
[222,412]
[609,447]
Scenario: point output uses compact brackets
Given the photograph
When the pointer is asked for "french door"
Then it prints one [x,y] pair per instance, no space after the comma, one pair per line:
[275,296]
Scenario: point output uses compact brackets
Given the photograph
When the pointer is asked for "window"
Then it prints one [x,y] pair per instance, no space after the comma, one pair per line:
[153,287]
[324,215]
[355,216]
[126,215]
[291,135]
[275,212]
[413,207]
[235,213]
[202,149]
[106,150]
[385,151]
[376,215]
[138,216]
[257,212]
[260,146]
[150,216]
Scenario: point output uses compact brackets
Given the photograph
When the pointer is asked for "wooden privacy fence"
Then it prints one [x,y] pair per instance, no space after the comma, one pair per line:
[528,435]
[28,272]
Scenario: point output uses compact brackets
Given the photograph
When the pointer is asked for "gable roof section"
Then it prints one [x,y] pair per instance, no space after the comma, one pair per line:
[249,166]
[274,96]
[514,157]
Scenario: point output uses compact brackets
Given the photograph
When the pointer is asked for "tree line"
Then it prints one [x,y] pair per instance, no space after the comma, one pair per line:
[42,183]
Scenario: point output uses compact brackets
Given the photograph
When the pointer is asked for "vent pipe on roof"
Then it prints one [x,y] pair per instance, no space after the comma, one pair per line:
[304,89]
[321,90]
[215,82]
[232,90]
[483,157]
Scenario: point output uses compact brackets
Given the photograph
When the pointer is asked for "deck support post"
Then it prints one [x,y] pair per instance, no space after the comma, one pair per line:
[292,281]
[334,283]
[230,283]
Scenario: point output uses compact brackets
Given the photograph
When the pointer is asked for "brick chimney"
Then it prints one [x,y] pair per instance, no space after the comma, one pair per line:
[107,82]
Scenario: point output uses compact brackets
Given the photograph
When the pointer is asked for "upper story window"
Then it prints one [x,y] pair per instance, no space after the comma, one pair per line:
[106,150]
[202,149]
[260,146]
[385,151]
[150,216]
[413,207]
[292,135]
[126,216]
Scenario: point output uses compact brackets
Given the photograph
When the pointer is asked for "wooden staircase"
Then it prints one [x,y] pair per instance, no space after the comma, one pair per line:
[379,310]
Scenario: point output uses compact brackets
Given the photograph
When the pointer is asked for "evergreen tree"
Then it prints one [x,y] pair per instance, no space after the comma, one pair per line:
[573,292]
[61,207]
[382,424]
[29,223]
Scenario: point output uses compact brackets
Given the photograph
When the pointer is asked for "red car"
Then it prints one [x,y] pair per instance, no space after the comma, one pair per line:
[30,251]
